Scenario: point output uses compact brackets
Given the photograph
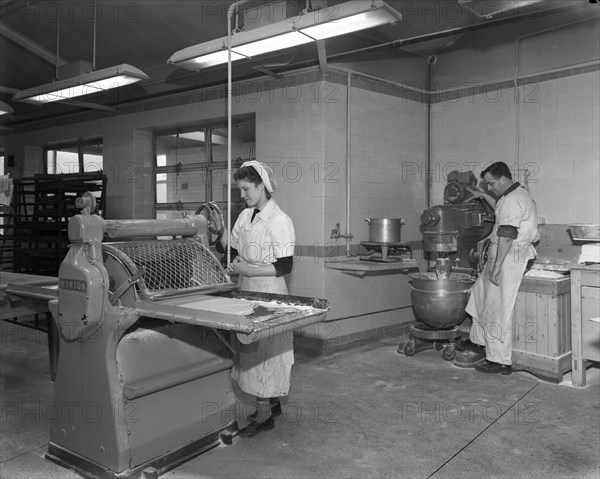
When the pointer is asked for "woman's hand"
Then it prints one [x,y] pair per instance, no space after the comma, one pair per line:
[239,266]
[242,267]
[215,219]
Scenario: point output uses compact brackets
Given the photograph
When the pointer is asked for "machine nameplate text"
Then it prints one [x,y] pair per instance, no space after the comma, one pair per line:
[72,284]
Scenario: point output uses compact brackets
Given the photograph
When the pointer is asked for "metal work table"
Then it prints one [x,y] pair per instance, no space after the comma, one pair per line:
[13,307]
[357,267]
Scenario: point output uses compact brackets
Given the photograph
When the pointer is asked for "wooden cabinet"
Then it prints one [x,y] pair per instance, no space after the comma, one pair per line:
[542,327]
[585,314]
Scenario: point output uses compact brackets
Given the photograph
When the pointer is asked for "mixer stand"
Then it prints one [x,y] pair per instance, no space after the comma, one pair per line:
[422,337]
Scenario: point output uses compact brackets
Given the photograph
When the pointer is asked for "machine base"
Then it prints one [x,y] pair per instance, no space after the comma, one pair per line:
[422,337]
[150,470]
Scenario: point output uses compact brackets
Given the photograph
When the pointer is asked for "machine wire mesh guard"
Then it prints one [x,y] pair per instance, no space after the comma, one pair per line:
[170,267]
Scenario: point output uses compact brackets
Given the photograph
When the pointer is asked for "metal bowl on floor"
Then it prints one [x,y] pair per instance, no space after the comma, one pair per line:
[440,302]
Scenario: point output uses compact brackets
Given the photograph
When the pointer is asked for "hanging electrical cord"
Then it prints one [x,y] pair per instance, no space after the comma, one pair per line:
[57,45]
[177,164]
[94,39]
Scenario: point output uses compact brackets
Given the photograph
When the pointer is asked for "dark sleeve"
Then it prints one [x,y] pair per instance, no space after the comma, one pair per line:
[283,265]
[507,231]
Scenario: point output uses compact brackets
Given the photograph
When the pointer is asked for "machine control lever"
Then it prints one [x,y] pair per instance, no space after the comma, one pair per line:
[86,202]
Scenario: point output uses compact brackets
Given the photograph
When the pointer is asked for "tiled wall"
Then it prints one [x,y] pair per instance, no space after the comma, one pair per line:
[389,140]
[388,135]
[556,131]
[143,154]
[305,139]
[289,137]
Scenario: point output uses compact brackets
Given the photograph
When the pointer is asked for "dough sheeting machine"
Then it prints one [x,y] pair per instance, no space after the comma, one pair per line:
[148,332]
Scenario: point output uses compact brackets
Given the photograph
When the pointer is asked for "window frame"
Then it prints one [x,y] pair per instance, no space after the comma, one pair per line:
[80,145]
[207,168]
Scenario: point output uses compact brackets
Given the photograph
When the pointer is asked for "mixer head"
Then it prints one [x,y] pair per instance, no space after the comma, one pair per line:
[456,189]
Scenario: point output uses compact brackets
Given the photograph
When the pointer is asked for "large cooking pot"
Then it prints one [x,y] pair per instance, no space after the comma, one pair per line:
[440,302]
[385,230]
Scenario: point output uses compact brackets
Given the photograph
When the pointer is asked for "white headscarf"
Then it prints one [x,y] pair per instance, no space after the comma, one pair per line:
[266,174]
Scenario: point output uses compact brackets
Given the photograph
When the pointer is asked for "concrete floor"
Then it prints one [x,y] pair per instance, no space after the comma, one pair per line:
[367,412]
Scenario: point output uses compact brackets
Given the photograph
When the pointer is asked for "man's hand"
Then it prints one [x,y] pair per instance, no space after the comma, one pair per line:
[475,191]
[495,274]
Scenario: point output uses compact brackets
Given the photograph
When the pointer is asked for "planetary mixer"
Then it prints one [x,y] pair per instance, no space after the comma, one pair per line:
[453,235]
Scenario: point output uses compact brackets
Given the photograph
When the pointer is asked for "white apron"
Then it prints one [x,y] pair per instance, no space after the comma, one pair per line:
[263,368]
[492,306]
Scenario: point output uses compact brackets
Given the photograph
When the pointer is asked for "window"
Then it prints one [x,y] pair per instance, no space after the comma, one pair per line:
[79,156]
[191,166]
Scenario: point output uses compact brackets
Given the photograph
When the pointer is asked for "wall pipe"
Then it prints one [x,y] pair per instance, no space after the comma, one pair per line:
[399,43]
[421,91]
[430,62]
[348,162]
[230,11]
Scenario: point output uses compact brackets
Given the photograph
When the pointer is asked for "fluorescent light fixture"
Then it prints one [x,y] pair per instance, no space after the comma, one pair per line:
[321,24]
[84,84]
[5,108]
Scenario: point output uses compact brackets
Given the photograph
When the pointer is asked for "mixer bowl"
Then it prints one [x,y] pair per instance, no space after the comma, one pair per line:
[440,302]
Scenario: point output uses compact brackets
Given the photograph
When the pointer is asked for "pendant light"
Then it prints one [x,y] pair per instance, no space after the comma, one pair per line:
[86,83]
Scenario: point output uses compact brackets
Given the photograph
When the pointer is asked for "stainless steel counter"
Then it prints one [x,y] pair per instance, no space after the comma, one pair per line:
[360,268]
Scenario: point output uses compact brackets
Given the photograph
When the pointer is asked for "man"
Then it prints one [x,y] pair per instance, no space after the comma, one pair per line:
[494,293]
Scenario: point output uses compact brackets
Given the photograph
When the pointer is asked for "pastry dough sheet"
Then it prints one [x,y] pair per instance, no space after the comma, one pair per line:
[238,307]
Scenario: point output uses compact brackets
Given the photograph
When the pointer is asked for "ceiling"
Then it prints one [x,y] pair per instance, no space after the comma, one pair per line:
[145,33]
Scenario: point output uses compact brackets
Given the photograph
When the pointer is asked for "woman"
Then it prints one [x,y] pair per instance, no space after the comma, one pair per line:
[263,241]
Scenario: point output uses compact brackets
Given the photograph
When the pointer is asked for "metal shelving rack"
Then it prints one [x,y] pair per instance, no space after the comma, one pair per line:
[42,208]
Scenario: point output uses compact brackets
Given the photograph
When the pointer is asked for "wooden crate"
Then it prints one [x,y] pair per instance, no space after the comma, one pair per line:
[542,327]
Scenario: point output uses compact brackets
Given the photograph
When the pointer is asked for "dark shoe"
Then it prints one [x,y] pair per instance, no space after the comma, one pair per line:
[468,358]
[254,427]
[490,367]
[468,345]
[275,411]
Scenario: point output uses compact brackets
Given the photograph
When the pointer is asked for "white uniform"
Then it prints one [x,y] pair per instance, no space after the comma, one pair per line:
[492,306]
[264,367]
